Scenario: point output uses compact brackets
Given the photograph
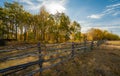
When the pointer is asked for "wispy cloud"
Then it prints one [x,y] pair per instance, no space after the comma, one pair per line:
[113,0]
[52,6]
[114,5]
[95,16]
[26,1]
[112,10]
[113,25]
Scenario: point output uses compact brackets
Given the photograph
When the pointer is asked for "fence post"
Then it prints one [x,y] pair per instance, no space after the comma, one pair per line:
[85,45]
[72,52]
[98,43]
[92,44]
[40,57]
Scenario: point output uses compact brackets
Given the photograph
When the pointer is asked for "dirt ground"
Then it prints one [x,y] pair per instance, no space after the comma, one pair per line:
[102,61]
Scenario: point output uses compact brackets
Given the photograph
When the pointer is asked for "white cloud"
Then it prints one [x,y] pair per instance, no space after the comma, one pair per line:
[52,6]
[116,13]
[95,16]
[111,26]
[113,0]
[25,1]
[112,10]
[114,5]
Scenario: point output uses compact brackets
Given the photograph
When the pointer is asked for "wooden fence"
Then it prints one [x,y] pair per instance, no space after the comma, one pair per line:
[55,53]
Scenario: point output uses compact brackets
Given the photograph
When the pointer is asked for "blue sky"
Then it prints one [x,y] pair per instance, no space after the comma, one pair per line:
[103,14]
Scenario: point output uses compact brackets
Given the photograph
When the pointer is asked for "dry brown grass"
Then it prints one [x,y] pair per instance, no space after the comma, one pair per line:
[16,62]
[102,61]
[113,43]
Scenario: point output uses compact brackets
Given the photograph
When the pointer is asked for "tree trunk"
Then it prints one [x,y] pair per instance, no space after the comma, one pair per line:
[16,32]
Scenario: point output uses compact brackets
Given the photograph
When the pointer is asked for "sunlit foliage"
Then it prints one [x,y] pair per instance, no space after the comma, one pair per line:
[16,23]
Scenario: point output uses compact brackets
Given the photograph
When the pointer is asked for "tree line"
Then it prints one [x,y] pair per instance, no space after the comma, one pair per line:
[98,34]
[18,24]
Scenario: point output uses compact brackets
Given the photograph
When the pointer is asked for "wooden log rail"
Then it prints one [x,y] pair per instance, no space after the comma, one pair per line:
[70,50]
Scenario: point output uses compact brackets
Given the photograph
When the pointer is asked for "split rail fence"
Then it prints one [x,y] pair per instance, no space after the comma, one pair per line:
[49,53]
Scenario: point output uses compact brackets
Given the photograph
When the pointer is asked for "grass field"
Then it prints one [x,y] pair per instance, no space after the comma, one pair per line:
[114,43]
[102,61]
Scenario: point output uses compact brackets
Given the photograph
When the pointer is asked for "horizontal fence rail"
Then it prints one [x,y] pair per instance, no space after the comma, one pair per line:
[17,48]
[58,53]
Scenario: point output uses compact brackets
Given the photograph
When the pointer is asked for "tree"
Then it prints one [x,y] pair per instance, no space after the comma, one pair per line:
[43,24]
[16,23]
[75,30]
[13,16]
[96,34]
